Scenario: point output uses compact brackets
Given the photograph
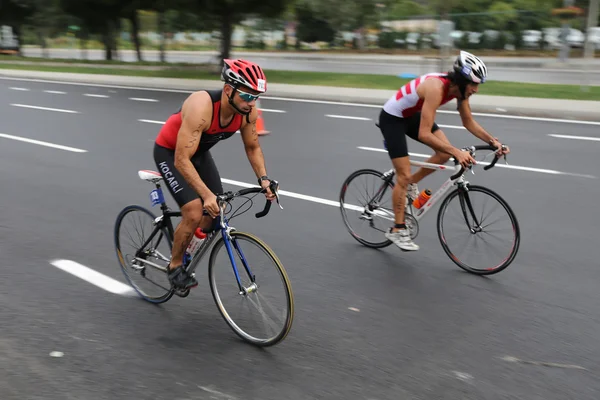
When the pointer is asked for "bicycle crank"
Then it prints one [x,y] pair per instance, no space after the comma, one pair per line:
[412,225]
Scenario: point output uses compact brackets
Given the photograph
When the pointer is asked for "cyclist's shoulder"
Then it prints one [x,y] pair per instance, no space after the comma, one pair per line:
[198,102]
[431,85]
[197,106]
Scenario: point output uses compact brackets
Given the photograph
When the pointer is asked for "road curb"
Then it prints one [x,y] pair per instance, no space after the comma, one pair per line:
[537,107]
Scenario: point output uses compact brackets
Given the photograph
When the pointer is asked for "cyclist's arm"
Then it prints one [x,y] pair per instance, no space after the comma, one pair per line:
[432,92]
[252,146]
[464,109]
[193,123]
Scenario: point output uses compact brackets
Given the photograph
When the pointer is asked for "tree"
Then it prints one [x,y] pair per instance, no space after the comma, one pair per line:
[98,16]
[231,12]
[14,13]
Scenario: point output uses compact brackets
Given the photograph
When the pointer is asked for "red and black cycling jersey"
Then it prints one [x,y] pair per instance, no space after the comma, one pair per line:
[167,137]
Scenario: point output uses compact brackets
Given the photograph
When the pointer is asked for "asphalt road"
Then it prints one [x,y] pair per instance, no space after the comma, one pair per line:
[369,324]
[517,73]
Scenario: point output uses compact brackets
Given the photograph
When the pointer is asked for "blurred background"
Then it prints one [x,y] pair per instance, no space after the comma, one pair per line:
[537,28]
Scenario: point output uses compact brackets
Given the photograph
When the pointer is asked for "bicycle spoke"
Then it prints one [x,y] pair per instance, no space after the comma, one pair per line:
[263,313]
[135,220]
[494,251]
[374,200]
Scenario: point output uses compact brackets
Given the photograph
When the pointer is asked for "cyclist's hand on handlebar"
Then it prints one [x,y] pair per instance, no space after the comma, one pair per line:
[464,158]
[502,149]
[211,205]
[266,184]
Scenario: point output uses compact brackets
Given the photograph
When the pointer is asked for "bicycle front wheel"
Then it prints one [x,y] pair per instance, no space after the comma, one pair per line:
[366,205]
[251,289]
[478,230]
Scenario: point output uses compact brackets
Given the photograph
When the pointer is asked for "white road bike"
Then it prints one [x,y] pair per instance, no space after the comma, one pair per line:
[462,213]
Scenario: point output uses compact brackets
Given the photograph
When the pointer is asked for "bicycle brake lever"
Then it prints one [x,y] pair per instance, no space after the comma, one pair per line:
[274,187]
[277,197]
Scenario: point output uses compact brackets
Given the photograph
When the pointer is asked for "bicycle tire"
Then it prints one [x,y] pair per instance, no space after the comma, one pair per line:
[513,218]
[287,287]
[155,300]
[375,245]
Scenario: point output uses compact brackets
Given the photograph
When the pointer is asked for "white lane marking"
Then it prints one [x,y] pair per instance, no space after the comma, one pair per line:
[151,121]
[103,96]
[348,117]
[463,376]
[286,193]
[522,117]
[94,277]
[595,139]
[542,363]
[20,89]
[370,119]
[216,394]
[143,99]
[451,126]
[385,151]
[567,121]
[54,92]
[39,142]
[541,170]
[271,110]
[45,108]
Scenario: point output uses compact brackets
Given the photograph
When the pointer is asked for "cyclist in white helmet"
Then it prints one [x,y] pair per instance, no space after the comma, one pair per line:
[411,112]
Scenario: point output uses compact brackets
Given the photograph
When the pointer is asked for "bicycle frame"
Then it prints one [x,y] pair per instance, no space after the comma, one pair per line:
[164,222]
[456,179]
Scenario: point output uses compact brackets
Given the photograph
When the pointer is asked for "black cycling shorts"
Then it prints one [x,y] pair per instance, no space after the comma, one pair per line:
[181,191]
[395,130]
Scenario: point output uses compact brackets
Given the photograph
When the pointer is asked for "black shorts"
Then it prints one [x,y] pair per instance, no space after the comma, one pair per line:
[181,191]
[395,130]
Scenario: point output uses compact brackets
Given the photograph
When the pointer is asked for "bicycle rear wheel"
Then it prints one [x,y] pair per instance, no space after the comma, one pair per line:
[144,253]
[372,210]
[462,214]
[258,277]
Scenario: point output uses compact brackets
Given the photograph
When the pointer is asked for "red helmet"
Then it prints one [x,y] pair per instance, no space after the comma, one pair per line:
[244,73]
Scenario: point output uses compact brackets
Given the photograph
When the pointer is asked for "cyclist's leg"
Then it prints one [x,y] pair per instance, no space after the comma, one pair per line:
[436,158]
[205,165]
[393,130]
[191,212]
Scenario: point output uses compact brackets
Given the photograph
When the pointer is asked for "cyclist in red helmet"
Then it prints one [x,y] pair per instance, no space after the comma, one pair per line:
[181,152]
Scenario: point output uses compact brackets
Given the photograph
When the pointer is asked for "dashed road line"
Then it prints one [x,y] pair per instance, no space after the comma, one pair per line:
[45,108]
[41,143]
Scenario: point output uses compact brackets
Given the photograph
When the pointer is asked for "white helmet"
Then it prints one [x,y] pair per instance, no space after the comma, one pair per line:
[470,67]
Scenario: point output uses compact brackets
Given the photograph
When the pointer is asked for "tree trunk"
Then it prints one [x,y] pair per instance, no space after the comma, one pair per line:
[135,28]
[226,30]
[161,31]
[106,39]
[17,34]
[42,41]
[83,42]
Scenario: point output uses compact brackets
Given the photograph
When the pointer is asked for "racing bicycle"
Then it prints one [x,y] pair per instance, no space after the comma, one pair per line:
[461,213]
[146,256]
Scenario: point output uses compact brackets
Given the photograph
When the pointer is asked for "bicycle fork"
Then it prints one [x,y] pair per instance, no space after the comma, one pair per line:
[465,203]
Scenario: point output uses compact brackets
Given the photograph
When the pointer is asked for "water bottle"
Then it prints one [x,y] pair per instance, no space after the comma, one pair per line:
[194,245]
[422,199]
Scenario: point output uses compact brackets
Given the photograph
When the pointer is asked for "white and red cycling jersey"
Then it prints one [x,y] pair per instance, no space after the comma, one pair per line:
[406,102]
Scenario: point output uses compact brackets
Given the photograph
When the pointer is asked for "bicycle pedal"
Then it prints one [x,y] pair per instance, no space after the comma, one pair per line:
[182,292]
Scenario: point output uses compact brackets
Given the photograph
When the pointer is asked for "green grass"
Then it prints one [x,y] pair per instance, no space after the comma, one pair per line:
[365,81]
